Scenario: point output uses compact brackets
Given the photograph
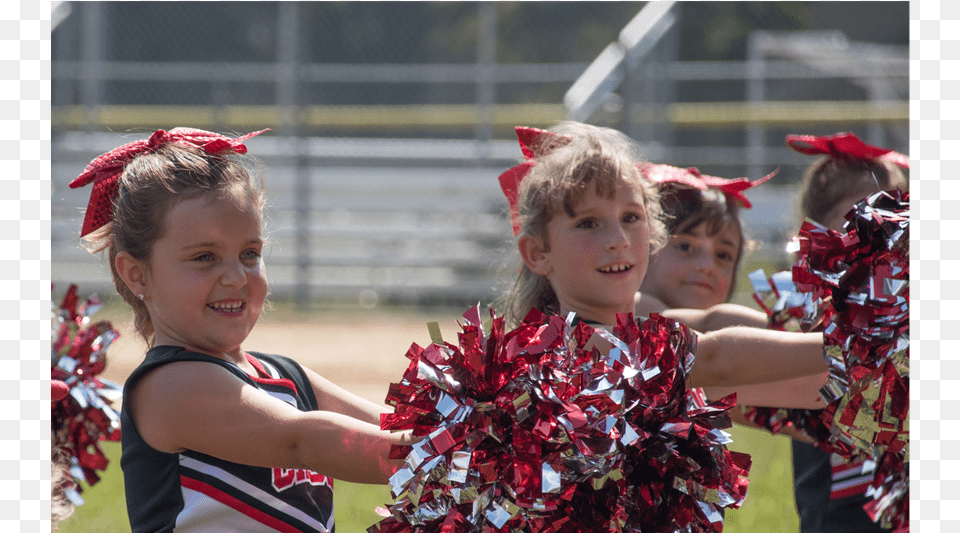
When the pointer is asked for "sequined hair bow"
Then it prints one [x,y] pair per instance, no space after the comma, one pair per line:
[691,176]
[844,145]
[510,180]
[104,171]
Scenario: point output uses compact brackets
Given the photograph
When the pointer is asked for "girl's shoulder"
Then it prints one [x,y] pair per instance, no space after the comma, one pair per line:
[164,356]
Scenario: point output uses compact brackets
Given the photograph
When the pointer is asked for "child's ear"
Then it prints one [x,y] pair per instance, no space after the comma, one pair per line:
[132,272]
[534,254]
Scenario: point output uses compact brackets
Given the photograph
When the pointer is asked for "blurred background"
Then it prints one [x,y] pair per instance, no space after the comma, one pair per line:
[392,120]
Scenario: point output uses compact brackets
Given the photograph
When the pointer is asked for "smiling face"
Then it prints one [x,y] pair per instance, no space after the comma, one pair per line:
[596,259]
[205,281]
[694,270]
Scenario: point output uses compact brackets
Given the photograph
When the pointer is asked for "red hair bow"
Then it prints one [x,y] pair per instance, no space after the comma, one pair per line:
[105,170]
[510,180]
[691,176]
[844,145]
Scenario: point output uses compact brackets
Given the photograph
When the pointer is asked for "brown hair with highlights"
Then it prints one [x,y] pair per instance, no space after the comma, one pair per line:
[585,156]
[150,185]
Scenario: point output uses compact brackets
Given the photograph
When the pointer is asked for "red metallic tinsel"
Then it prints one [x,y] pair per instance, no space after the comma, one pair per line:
[854,287]
[560,427]
[84,416]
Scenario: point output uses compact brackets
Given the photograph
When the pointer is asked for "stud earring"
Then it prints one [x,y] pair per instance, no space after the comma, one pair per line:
[140,296]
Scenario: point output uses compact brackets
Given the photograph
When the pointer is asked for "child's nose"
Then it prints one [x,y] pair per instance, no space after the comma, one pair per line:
[705,262]
[617,237]
[234,274]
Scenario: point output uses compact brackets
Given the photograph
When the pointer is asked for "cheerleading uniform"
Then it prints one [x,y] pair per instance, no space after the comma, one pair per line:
[829,492]
[191,491]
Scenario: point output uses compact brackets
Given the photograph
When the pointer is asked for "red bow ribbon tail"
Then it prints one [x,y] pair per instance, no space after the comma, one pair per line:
[844,145]
[734,188]
[526,137]
[896,158]
[510,180]
[510,184]
[100,207]
[670,174]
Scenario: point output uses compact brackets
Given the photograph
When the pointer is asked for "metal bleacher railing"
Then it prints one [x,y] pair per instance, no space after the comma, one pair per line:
[409,208]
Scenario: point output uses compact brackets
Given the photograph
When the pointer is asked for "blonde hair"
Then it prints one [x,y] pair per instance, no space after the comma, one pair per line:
[149,187]
[584,156]
[830,180]
[61,481]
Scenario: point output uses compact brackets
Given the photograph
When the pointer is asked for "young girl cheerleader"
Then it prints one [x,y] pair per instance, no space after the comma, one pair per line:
[587,222]
[692,277]
[215,437]
[830,491]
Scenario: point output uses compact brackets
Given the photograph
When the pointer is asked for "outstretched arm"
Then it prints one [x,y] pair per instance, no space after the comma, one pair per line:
[798,393]
[737,416]
[718,317]
[744,356]
[332,397]
[203,407]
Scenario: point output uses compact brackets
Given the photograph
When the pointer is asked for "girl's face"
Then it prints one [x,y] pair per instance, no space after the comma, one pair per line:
[597,258]
[694,270]
[205,280]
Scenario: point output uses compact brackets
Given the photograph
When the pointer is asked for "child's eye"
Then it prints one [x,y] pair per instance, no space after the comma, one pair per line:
[587,223]
[683,246]
[251,254]
[206,256]
[630,218]
[725,256]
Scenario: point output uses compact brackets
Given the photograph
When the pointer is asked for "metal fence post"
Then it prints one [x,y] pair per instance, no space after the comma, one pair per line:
[756,95]
[486,84]
[288,98]
[92,52]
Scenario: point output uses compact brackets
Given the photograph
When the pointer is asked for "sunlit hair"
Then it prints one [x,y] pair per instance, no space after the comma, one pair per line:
[596,157]
[61,507]
[685,208]
[150,186]
[829,180]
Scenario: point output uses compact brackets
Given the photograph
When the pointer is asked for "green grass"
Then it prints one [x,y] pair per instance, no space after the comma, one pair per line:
[768,507]
[105,510]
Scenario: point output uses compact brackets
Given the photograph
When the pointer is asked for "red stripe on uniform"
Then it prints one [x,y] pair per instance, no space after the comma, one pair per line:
[843,470]
[856,490]
[237,505]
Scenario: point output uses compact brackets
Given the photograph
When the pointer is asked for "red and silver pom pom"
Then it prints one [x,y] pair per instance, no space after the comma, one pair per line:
[81,410]
[560,427]
[854,287]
